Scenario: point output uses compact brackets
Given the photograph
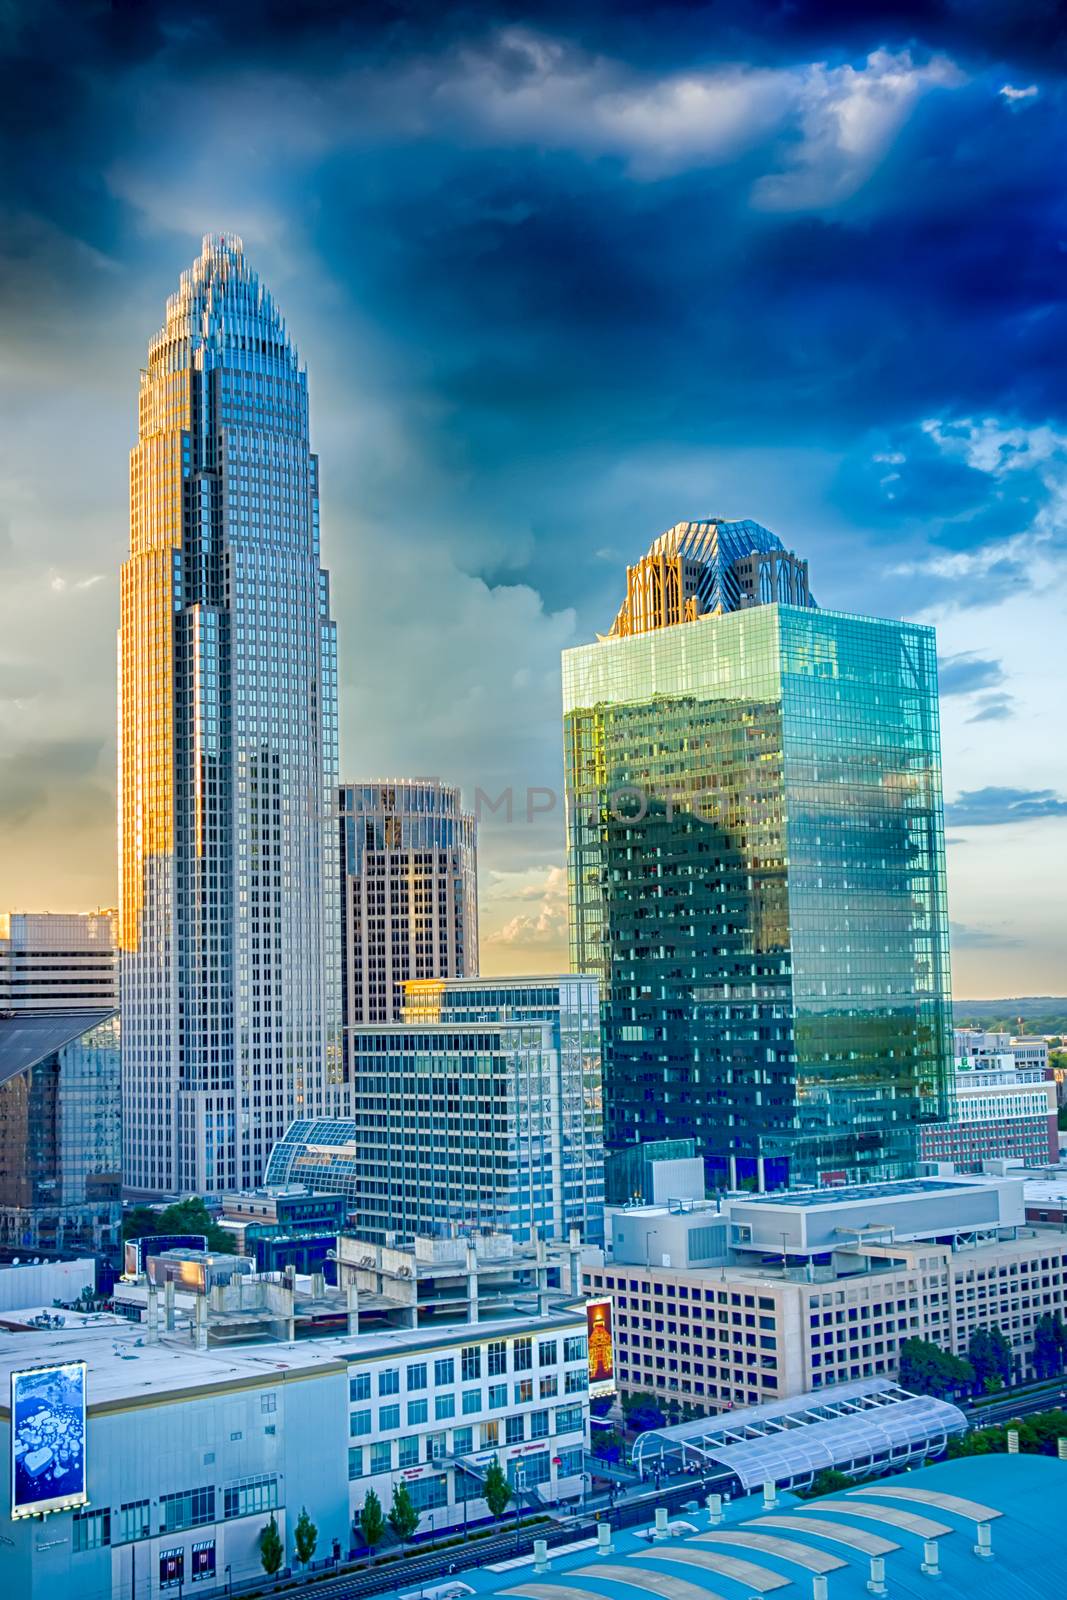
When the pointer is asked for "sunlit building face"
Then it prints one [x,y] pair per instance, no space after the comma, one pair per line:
[756,866]
[228,746]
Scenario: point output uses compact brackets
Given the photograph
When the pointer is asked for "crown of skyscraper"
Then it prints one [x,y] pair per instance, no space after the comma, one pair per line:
[699,569]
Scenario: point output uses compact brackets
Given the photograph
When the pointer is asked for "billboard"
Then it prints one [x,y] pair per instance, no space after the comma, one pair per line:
[47,1439]
[137,1251]
[601,1347]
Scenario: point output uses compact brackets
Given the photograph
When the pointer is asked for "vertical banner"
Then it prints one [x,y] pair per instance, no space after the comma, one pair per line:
[48,1439]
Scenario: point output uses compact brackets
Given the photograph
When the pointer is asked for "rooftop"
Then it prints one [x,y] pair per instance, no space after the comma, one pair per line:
[755,1552]
[123,1367]
[900,1189]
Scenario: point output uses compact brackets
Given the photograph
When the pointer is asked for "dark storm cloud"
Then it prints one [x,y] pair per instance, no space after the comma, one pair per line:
[992,806]
[58,776]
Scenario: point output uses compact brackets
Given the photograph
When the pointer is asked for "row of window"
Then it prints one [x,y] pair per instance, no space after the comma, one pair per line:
[416,1373]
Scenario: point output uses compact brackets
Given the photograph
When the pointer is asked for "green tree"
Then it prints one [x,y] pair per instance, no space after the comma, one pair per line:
[403,1518]
[497,1489]
[185,1216]
[305,1537]
[927,1369]
[271,1549]
[371,1520]
[826,1481]
[991,1357]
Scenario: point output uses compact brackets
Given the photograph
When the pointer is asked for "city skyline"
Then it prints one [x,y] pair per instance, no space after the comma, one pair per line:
[559,291]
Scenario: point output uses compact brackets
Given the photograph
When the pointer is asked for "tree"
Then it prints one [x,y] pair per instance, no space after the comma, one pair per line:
[990,1355]
[371,1520]
[601,1404]
[607,1444]
[927,1369]
[497,1489]
[403,1518]
[305,1537]
[1048,1345]
[271,1549]
[185,1216]
[826,1481]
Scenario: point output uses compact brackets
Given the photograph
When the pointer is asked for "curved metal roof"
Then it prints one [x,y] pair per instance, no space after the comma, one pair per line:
[852,1425]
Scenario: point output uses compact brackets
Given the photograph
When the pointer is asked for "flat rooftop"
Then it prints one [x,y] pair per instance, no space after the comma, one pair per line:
[123,1367]
[901,1189]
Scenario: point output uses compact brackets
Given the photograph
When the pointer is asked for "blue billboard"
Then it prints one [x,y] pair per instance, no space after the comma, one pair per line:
[47,1439]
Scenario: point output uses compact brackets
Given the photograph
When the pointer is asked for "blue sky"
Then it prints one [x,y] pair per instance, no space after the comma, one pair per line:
[562,276]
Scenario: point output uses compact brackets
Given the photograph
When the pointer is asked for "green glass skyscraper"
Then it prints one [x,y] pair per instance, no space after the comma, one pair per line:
[756,866]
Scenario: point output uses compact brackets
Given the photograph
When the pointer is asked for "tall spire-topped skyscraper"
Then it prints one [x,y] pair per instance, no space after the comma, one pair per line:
[228,747]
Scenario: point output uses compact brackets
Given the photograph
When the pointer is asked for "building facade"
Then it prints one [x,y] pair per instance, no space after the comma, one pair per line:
[228,747]
[783,1300]
[756,873]
[480,1111]
[189,1453]
[60,1131]
[997,1112]
[57,961]
[409,876]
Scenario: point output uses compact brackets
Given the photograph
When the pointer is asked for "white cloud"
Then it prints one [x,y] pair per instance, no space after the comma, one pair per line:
[1013,95]
[849,117]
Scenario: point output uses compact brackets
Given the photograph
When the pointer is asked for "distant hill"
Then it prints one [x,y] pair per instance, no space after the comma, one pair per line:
[1040,1013]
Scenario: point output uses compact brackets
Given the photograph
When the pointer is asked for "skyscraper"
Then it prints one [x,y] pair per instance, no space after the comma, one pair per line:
[409,886]
[756,866]
[228,746]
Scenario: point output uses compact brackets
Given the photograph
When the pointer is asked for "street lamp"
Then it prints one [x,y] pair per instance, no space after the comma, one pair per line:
[520,1479]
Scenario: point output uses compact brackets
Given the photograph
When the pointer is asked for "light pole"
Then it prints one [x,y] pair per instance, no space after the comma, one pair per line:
[520,1479]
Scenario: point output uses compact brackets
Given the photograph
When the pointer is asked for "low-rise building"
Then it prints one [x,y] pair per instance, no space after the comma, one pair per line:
[997,1111]
[188,1452]
[767,1296]
[57,961]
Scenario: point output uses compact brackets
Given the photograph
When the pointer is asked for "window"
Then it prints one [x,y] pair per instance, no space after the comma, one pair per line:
[444,1406]
[523,1355]
[523,1391]
[436,1446]
[444,1371]
[134,1521]
[471,1363]
[388,1418]
[417,1375]
[381,1456]
[547,1353]
[576,1381]
[538,1424]
[187,1509]
[359,1423]
[497,1355]
[418,1411]
[252,1494]
[570,1463]
[490,1435]
[430,1492]
[355,1461]
[408,1451]
[389,1381]
[574,1348]
[92,1530]
[359,1387]
[462,1441]
[267,1403]
[514,1429]
[472,1401]
[568,1419]
[549,1386]
[498,1396]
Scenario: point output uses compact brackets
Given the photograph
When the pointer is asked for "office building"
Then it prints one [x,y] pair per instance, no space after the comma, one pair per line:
[188,1452]
[762,1297]
[996,1112]
[57,961]
[230,971]
[756,871]
[60,1130]
[409,875]
[481,1110]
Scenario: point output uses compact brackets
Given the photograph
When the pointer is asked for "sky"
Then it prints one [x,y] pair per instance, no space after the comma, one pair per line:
[562,276]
